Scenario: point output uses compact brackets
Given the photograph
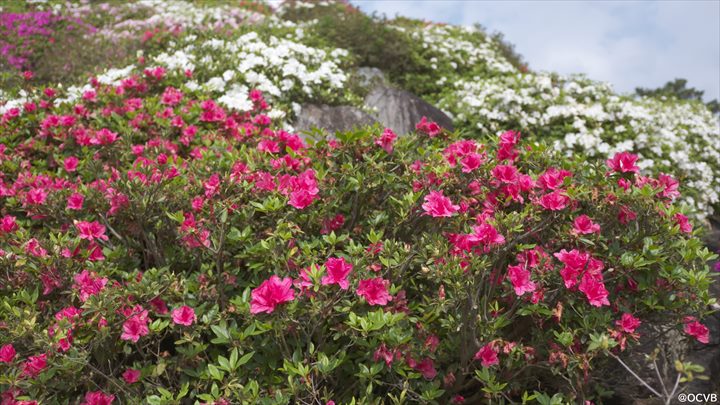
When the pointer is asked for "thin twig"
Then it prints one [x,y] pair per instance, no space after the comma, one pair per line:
[672,394]
[635,375]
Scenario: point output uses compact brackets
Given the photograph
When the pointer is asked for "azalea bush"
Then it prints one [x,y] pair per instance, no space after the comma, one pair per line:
[580,116]
[28,39]
[159,247]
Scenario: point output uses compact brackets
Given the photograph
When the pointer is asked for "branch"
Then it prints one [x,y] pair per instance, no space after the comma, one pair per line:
[637,377]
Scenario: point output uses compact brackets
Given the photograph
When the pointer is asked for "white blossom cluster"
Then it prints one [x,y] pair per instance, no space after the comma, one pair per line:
[580,115]
[461,49]
[8,101]
[282,69]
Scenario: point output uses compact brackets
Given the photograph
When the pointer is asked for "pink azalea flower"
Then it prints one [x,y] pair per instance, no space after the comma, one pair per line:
[303,283]
[432,342]
[594,290]
[266,145]
[383,353]
[98,398]
[552,178]
[670,186]
[88,283]
[302,188]
[183,316]
[375,291]
[437,205]
[337,272]
[212,185]
[131,376]
[626,215]
[520,279]
[509,138]
[683,223]
[136,326]
[583,225]
[271,293]
[33,248]
[332,224]
[171,96]
[301,199]
[75,201]
[8,224]
[432,129]
[555,201]
[426,368]
[466,151]
[471,161]
[7,353]
[36,196]
[91,230]
[623,162]
[624,184]
[505,173]
[34,365]
[159,306]
[386,140]
[628,323]
[486,234]
[104,137]
[71,164]
[574,262]
[487,355]
[697,330]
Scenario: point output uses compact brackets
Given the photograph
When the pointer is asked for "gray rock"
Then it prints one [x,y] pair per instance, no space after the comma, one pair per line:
[400,110]
[332,118]
[370,76]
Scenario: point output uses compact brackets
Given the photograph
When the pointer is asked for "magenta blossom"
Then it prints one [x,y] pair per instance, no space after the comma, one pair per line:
[183,316]
[623,162]
[437,205]
[555,201]
[91,230]
[131,376]
[338,270]
[520,279]
[386,140]
[270,294]
[136,326]
[583,225]
[487,355]
[98,398]
[375,291]
[628,323]
[697,330]
[7,353]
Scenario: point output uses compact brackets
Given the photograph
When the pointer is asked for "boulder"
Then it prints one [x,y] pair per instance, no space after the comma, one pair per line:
[400,110]
[332,118]
[370,76]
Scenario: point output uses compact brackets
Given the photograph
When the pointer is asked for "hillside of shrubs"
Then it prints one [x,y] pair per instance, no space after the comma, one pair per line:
[167,237]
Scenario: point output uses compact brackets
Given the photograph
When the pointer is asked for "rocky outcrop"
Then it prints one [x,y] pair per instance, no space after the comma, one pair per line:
[393,108]
[332,118]
[370,76]
[400,110]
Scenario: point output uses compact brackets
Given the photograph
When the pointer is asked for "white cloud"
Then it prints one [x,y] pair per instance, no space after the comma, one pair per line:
[629,44]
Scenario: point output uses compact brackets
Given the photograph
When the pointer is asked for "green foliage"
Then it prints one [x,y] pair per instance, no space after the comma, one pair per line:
[678,89]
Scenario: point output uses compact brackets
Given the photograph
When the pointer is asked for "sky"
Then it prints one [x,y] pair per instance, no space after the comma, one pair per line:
[626,43]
